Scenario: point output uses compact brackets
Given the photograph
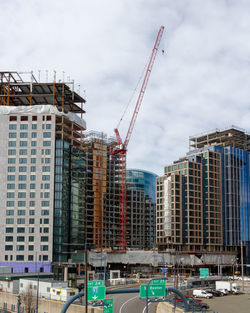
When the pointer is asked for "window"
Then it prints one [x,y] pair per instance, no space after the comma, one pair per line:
[24,126]
[8,238]
[32,203]
[23,143]
[32,194]
[10,186]
[10,195]
[23,135]
[12,126]
[45,203]
[21,186]
[11,177]
[21,221]
[31,238]
[30,257]
[12,144]
[47,143]
[11,169]
[20,230]
[47,160]
[32,186]
[12,152]
[48,126]
[20,238]
[34,135]
[22,161]
[21,203]
[21,194]
[32,177]
[46,195]
[31,221]
[45,177]
[22,168]
[46,169]
[31,212]
[9,220]
[31,230]
[33,151]
[31,248]
[20,248]
[10,212]
[9,230]
[47,151]
[22,177]
[8,248]
[34,126]
[46,221]
[20,257]
[34,118]
[46,186]
[46,230]
[44,238]
[33,160]
[21,212]
[33,143]
[44,248]
[11,161]
[10,203]
[47,135]
[23,152]
[45,212]
[12,135]
[32,168]
[48,118]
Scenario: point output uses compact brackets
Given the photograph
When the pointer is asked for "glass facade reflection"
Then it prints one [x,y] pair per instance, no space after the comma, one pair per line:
[142,180]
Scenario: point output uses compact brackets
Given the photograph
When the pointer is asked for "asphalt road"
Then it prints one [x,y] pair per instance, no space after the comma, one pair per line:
[131,303]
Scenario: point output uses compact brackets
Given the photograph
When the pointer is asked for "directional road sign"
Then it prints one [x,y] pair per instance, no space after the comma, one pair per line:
[159,282]
[95,283]
[109,307]
[204,272]
[96,293]
[164,270]
[153,291]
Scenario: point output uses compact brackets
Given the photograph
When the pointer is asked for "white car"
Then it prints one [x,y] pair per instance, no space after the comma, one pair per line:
[202,294]
[223,291]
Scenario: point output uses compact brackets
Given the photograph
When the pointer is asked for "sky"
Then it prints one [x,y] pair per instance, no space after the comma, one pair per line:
[200,83]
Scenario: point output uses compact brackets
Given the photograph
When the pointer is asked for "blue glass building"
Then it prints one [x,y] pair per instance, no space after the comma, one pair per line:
[142,180]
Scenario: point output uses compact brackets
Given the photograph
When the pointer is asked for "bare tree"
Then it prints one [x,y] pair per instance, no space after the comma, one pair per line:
[28,300]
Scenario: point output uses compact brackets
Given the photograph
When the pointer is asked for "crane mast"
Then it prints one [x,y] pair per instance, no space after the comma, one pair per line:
[120,148]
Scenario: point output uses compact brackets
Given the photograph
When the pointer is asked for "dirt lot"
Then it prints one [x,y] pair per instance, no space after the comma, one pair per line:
[230,303]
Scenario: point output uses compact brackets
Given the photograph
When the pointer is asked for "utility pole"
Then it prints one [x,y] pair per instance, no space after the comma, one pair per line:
[242,264]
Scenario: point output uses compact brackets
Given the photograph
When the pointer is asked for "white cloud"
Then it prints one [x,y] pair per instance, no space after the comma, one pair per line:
[201,83]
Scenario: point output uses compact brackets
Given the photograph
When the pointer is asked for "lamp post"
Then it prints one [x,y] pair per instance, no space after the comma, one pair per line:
[242,265]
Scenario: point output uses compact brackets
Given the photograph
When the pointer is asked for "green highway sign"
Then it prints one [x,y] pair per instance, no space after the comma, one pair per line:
[109,307]
[159,282]
[204,272]
[153,291]
[96,293]
[95,283]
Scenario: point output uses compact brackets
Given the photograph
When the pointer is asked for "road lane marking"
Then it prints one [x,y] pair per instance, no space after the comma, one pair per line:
[126,303]
[145,308]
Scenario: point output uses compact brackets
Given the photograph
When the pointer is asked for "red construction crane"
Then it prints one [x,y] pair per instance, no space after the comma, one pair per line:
[120,148]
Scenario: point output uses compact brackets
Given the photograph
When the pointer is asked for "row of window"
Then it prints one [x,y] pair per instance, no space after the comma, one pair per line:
[22,143]
[21,230]
[24,177]
[24,186]
[22,238]
[23,118]
[30,258]
[25,134]
[21,248]
[23,203]
[23,212]
[11,195]
[11,220]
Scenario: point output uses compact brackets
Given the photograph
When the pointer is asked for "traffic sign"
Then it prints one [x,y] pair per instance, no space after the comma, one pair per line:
[96,293]
[109,307]
[95,283]
[159,281]
[204,272]
[153,291]
[164,270]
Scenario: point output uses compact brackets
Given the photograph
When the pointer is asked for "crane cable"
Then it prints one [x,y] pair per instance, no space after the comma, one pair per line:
[133,93]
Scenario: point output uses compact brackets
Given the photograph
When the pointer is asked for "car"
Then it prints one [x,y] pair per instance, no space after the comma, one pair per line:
[198,305]
[201,294]
[214,292]
[223,291]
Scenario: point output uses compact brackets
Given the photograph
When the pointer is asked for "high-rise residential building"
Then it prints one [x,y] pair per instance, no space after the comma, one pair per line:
[42,172]
[233,144]
[188,208]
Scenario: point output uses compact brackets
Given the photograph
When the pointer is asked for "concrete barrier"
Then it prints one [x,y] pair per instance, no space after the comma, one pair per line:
[165,307]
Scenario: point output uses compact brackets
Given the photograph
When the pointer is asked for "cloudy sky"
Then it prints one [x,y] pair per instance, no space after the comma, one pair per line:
[202,82]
